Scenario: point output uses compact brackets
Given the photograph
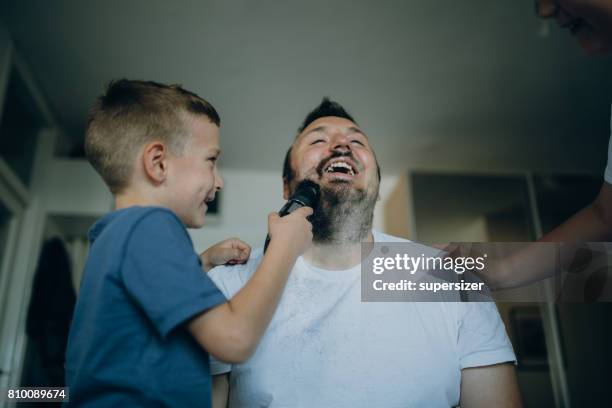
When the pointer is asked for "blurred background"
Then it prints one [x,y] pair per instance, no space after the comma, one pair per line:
[489,125]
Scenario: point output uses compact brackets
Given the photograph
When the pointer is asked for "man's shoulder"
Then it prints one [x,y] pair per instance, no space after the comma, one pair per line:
[231,278]
[413,246]
[382,237]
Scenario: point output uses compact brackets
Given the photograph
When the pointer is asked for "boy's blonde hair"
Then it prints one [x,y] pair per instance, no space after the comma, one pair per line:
[132,113]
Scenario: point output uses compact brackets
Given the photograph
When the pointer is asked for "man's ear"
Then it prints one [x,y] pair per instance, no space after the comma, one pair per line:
[155,162]
[285,189]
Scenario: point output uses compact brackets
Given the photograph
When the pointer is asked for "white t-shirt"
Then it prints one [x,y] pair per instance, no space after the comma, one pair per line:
[326,348]
[608,172]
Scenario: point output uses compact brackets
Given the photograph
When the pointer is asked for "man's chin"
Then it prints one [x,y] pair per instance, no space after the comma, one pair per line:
[340,182]
[337,183]
[341,191]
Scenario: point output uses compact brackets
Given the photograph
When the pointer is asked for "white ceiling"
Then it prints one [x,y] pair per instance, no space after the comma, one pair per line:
[429,80]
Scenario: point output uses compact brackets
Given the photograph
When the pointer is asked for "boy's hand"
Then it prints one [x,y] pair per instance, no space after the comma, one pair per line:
[231,251]
[293,230]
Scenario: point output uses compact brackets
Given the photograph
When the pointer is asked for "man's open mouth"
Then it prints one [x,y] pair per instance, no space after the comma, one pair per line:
[340,166]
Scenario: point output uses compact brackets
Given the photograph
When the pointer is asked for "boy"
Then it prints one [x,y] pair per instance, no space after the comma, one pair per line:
[147,314]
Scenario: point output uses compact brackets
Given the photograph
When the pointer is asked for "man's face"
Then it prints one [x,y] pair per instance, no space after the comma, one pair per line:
[336,154]
[590,21]
[194,178]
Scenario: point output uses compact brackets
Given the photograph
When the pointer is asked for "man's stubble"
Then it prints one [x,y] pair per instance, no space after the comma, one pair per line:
[343,215]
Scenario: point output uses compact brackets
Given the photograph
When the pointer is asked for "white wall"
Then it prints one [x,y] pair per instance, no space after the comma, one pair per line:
[73,187]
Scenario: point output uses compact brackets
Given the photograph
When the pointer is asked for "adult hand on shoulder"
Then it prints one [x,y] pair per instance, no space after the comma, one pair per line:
[231,251]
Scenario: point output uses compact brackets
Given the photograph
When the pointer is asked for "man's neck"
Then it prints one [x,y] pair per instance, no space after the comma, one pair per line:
[335,256]
[340,223]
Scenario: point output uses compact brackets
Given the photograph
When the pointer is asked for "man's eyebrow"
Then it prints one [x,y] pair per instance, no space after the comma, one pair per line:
[317,129]
[356,130]
[353,129]
[215,152]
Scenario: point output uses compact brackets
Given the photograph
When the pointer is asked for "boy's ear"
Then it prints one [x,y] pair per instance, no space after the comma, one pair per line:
[155,162]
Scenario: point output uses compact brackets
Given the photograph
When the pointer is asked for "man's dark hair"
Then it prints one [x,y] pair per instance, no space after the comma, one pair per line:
[326,108]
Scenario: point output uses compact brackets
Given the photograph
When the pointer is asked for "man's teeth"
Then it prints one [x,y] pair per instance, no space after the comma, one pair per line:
[334,166]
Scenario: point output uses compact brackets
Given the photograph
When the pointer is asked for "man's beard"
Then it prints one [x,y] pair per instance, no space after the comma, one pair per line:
[343,214]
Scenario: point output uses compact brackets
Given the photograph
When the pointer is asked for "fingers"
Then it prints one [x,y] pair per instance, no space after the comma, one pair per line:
[450,248]
[233,256]
[242,253]
[230,251]
[241,245]
[246,254]
[273,216]
[304,211]
[243,248]
[233,242]
[546,8]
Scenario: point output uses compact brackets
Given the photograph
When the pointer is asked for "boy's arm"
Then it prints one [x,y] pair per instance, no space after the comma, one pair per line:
[220,390]
[230,331]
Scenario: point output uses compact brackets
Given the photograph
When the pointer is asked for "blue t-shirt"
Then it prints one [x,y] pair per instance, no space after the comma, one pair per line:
[127,345]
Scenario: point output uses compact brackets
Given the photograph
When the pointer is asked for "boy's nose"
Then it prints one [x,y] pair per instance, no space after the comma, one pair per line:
[219,183]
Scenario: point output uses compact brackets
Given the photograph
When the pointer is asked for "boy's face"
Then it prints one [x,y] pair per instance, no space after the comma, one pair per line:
[193,177]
